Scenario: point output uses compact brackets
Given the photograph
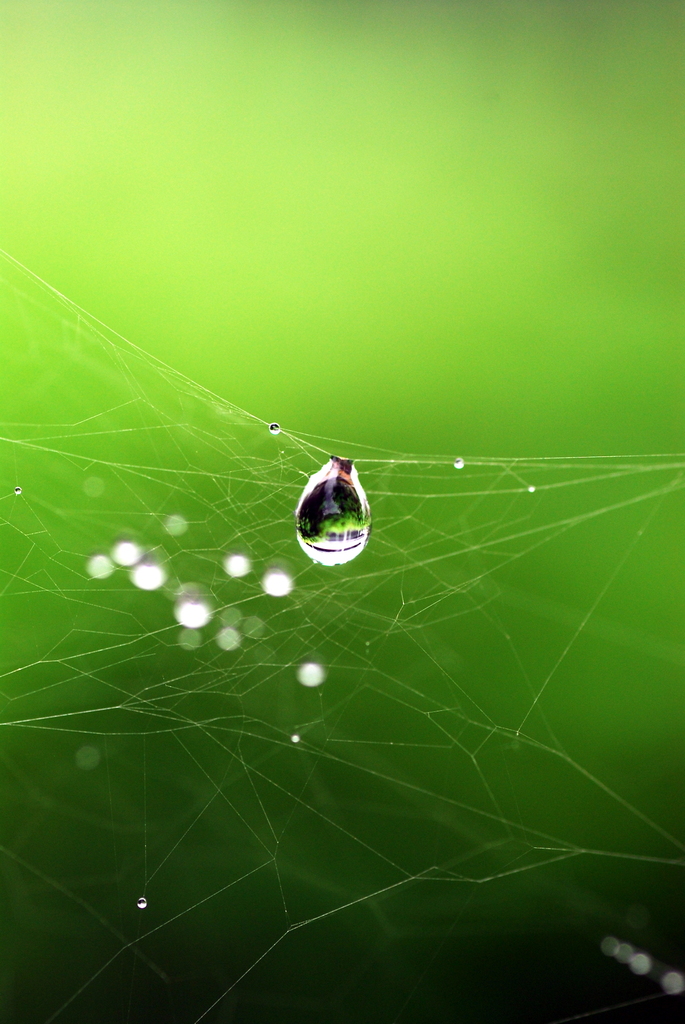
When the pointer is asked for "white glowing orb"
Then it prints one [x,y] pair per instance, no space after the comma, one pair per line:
[310,673]
[126,552]
[148,575]
[237,565]
[294,738]
[192,611]
[277,583]
[99,567]
[228,638]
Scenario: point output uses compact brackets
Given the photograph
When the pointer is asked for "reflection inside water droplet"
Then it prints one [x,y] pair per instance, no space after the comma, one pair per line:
[333,518]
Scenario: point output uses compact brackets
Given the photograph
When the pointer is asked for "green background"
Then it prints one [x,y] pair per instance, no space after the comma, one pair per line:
[444,228]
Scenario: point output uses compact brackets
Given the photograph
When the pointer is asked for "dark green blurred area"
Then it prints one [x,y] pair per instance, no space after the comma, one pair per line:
[446,228]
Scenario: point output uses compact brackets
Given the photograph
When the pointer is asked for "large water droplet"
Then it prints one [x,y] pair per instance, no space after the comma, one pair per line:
[333,518]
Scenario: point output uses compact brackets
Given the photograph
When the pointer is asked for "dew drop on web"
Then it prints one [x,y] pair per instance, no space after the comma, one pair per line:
[148,575]
[192,610]
[99,567]
[459,463]
[141,903]
[274,428]
[333,517]
[176,525]
[310,673]
[277,583]
[17,489]
[126,552]
[237,565]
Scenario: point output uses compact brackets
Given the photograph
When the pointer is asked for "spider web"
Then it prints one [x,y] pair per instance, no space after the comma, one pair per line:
[295,844]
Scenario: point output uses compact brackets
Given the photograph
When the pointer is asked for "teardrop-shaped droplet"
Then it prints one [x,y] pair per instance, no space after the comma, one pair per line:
[333,517]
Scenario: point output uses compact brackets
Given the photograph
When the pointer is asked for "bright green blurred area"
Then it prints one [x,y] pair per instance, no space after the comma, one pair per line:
[473,210]
[446,228]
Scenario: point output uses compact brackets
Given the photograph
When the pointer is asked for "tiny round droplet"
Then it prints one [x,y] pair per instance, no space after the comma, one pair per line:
[531,488]
[87,758]
[294,738]
[192,610]
[99,567]
[609,945]
[274,428]
[641,963]
[624,952]
[148,575]
[176,525]
[237,565]
[17,489]
[228,638]
[459,463]
[673,983]
[310,673]
[127,552]
[142,903]
[189,639]
[277,583]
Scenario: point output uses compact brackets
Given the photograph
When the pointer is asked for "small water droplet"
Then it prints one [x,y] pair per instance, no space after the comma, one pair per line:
[294,738]
[141,903]
[189,639]
[277,583]
[641,963]
[87,758]
[237,565]
[673,983]
[274,428]
[192,609]
[17,489]
[532,488]
[176,525]
[99,567]
[333,517]
[459,463]
[148,575]
[310,673]
[127,552]
[228,638]
[253,626]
